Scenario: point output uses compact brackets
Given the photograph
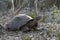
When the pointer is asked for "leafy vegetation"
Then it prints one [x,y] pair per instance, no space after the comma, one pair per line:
[55,11]
[50,29]
[58,35]
[32,14]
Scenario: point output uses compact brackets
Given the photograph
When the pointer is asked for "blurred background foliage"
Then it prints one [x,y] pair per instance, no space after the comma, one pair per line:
[10,8]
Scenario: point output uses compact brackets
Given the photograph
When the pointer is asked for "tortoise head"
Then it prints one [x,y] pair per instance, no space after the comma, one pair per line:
[38,18]
[33,21]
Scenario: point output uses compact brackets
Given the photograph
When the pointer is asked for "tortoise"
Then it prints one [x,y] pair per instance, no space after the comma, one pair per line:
[23,22]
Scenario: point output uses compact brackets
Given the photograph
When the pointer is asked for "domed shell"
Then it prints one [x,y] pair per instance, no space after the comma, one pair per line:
[18,21]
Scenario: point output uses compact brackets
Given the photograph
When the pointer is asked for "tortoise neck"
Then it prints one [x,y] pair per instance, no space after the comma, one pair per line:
[37,18]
